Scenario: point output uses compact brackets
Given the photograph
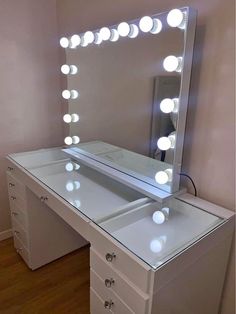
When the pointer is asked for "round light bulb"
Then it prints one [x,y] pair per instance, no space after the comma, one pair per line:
[75,41]
[74,117]
[158,217]
[167,105]
[114,35]
[105,33]
[89,37]
[75,139]
[83,43]
[164,143]
[176,18]
[146,24]
[69,167]
[66,94]
[161,177]
[156,246]
[67,118]
[123,29]
[64,42]
[65,69]
[134,31]
[68,140]
[98,39]
[172,63]
[157,26]
[74,94]
[69,186]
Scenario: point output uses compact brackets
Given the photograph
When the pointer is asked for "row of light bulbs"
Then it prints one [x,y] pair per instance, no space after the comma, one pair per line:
[147,24]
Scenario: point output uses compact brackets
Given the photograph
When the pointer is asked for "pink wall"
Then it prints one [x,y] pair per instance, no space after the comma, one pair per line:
[30,107]
[209,145]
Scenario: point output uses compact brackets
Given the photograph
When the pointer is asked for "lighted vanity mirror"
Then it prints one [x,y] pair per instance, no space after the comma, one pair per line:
[127,89]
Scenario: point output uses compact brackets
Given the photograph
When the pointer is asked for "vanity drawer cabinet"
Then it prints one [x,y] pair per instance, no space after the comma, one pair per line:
[20,216]
[20,233]
[111,302]
[114,281]
[20,248]
[119,258]
[15,186]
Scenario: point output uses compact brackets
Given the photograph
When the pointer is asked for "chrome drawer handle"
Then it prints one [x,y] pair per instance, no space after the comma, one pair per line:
[11,185]
[110,257]
[13,198]
[43,198]
[18,250]
[10,168]
[14,213]
[108,304]
[109,282]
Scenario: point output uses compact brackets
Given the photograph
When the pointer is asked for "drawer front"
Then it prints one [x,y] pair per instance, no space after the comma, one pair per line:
[124,261]
[111,302]
[20,233]
[15,186]
[20,216]
[21,250]
[16,201]
[96,303]
[134,298]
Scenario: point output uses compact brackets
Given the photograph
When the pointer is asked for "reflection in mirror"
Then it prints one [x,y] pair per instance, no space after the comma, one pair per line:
[124,95]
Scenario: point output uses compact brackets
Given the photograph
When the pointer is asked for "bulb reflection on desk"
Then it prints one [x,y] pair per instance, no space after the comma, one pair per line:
[72,185]
[75,203]
[156,245]
[160,216]
[71,166]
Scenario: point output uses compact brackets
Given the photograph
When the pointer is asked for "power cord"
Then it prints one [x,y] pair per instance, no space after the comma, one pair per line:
[187,176]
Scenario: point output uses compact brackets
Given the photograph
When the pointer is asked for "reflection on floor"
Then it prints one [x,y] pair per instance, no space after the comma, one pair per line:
[59,287]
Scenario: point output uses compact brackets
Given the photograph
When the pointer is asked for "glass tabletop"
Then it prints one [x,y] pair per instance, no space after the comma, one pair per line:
[164,229]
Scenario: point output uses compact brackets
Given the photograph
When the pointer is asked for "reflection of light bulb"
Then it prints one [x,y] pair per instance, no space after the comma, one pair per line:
[162,177]
[89,37]
[76,166]
[123,29]
[156,245]
[68,140]
[75,41]
[75,139]
[69,69]
[176,18]
[105,33]
[69,186]
[172,138]
[158,217]
[69,167]
[146,24]
[166,211]
[74,117]
[172,63]
[134,31]
[114,35]
[67,118]
[76,185]
[157,26]
[164,143]
[74,94]
[66,94]
[64,42]
[98,39]
[77,203]
[168,105]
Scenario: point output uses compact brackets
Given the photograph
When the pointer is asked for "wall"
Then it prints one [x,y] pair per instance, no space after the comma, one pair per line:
[209,149]
[30,107]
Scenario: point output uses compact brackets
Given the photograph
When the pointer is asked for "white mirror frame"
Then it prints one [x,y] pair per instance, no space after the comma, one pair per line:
[129,29]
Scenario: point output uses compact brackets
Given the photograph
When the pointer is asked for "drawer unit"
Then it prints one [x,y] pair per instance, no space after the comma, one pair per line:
[133,297]
[20,248]
[20,232]
[111,302]
[20,216]
[120,259]
[15,186]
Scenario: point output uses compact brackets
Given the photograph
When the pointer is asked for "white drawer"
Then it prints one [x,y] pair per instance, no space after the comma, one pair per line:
[16,201]
[21,250]
[111,302]
[96,303]
[20,232]
[134,298]
[20,216]
[128,264]
[15,186]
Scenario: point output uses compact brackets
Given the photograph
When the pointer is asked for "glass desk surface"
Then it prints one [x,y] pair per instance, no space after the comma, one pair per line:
[164,229]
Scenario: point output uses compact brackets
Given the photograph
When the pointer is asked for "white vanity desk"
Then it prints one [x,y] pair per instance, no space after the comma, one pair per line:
[137,266]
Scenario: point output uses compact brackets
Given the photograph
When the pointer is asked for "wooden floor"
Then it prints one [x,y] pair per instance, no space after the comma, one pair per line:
[59,287]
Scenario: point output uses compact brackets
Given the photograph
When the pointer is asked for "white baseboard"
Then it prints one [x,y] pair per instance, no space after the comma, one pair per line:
[5,234]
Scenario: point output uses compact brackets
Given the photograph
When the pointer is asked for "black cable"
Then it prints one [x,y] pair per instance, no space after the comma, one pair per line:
[187,176]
